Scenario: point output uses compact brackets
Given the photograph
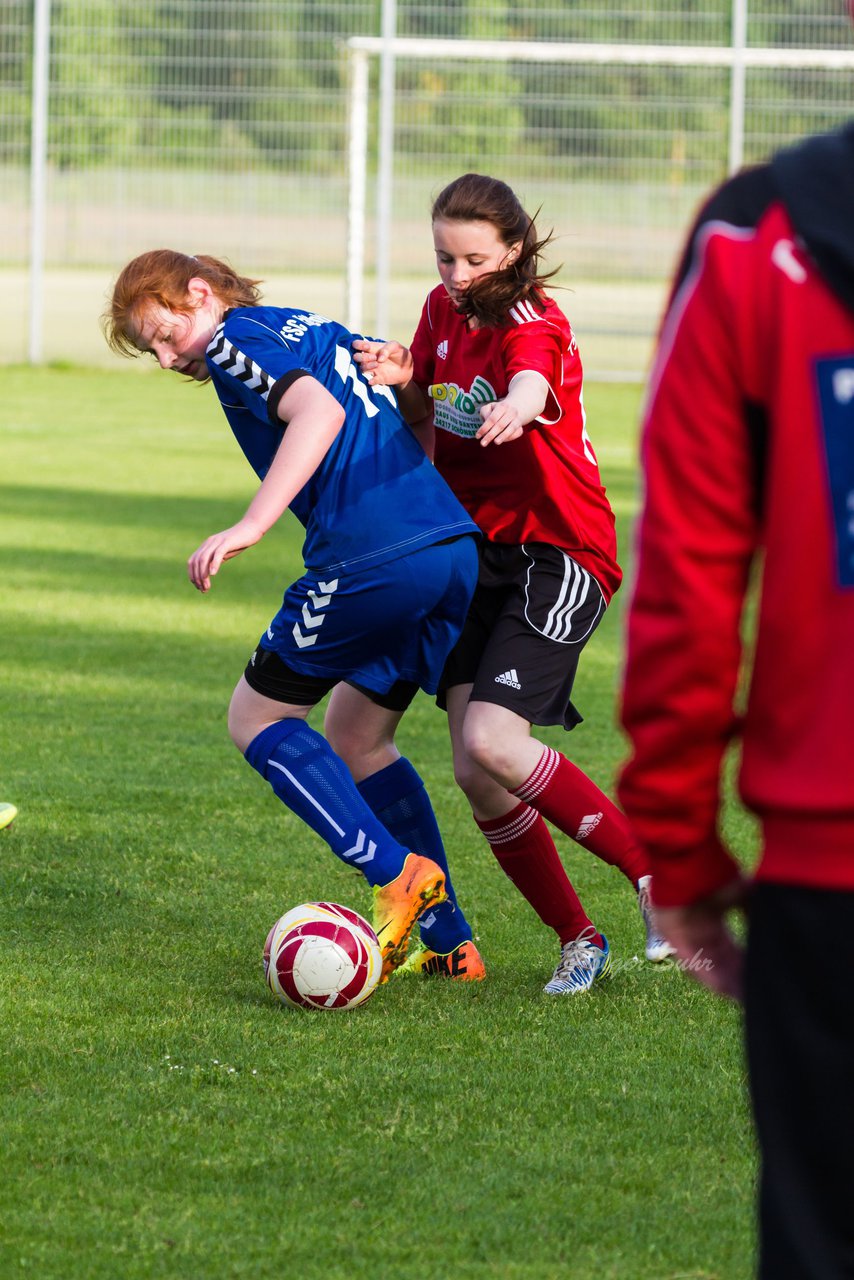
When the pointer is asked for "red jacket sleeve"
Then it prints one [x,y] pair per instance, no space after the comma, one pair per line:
[695,543]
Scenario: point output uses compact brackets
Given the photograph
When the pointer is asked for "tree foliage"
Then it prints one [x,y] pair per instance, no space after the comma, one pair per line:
[263,83]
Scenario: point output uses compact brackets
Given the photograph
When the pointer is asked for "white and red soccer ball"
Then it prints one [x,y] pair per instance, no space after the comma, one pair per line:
[322,956]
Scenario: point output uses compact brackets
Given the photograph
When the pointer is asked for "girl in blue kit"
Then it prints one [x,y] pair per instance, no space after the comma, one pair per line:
[390,566]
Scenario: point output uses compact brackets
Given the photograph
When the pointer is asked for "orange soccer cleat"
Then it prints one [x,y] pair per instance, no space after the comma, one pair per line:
[397,906]
[464,964]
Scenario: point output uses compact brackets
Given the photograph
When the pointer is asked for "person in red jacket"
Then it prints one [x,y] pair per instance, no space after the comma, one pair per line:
[494,379]
[748,460]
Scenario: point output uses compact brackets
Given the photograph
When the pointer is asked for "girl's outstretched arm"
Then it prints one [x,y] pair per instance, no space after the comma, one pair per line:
[505,420]
[314,418]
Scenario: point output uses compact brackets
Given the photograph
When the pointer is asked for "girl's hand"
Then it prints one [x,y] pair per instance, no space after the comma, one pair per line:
[386,364]
[502,422]
[206,561]
[705,946]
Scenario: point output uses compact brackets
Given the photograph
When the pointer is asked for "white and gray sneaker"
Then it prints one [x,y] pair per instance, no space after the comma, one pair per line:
[657,947]
[582,963]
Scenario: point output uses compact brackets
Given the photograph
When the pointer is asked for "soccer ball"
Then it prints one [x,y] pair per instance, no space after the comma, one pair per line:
[322,956]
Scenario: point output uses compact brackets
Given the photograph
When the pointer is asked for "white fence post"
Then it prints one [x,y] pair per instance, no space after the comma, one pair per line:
[385,171]
[38,176]
[358,158]
[737,85]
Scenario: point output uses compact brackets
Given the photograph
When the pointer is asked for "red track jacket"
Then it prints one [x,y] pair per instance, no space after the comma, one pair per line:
[748,457]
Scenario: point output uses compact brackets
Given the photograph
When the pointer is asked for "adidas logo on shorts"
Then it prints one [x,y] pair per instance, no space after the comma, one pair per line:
[510,678]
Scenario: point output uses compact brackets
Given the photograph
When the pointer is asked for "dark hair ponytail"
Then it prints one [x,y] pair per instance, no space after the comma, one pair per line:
[477,198]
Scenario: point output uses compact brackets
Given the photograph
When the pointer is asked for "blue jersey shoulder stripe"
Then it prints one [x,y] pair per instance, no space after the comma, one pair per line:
[233,361]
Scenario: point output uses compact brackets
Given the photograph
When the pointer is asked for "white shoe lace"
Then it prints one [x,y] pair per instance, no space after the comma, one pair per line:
[579,962]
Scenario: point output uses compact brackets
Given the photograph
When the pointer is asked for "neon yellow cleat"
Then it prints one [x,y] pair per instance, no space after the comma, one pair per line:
[397,906]
[464,964]
[8,814]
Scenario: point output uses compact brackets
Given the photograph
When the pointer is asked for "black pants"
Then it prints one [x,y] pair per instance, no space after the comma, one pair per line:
[799,1012]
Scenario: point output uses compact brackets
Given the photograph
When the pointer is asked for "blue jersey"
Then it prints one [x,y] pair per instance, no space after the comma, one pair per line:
[375,496]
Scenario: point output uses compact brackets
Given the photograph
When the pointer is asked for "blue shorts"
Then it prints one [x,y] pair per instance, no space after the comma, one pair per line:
[394,623]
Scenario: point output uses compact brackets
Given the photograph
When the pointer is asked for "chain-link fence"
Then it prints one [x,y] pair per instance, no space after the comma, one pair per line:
[225,127]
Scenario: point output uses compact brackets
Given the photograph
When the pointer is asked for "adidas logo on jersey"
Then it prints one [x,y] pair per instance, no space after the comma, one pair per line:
[589,823]
[509,677]
[442,350]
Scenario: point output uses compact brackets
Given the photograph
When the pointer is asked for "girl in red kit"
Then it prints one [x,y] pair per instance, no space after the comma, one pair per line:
[493,385]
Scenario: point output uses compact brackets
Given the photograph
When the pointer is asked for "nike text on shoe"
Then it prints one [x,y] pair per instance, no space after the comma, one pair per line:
[463,963]
[581,964]
[397,905]
[657,947]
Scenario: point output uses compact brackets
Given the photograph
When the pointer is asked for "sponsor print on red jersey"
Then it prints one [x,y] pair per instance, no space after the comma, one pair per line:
[544,487]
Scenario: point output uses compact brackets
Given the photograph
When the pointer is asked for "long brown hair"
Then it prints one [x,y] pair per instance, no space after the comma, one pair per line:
[477,198]
[161,277]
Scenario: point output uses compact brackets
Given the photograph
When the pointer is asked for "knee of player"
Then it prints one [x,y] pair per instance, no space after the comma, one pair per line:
[243,725]
[345,740]
[240,734]
[492,752]
[363,753]
[348,740]
[482,753]
[467,774]
[486,795]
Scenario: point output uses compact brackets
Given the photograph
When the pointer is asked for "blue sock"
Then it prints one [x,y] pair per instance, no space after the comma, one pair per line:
[399,799]
[317,786]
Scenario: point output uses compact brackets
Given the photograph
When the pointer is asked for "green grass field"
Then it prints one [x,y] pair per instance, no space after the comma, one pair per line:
[162,1115]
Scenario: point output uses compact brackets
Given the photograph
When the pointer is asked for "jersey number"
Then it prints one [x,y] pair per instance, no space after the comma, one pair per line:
[346,368]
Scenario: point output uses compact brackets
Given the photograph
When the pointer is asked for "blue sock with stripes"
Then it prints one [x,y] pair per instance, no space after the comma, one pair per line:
[317,786]
[399,799]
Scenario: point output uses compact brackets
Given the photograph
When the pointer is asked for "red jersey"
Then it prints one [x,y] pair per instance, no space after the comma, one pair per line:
[545,486]
[748,450]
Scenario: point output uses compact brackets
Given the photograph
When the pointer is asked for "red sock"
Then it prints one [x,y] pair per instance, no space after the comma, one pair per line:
[526,853]
[573,802]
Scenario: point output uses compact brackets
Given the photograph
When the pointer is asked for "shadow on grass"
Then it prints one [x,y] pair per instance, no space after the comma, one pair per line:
[169,519]
[115,508]
[100,654]
[74,582]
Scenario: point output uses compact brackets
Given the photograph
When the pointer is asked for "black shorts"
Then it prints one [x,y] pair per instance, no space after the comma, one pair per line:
[267,674]
[534,609]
